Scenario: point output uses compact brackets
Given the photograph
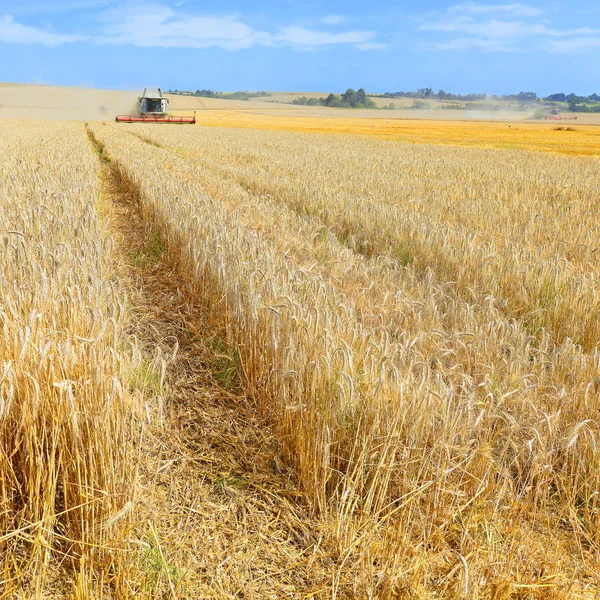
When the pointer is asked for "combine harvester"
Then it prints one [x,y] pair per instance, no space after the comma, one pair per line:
[153,109]
[557,118]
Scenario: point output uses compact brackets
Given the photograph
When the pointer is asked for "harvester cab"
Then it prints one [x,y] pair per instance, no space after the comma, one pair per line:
[154,109]
[153,103]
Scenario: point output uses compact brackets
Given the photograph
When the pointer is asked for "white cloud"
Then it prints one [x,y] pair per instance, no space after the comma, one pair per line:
[498,29]
[573,45]
[475,26]
[300,36]
[333,20]
[517,9]
[12,32]
[158,25]
[485,45]
[155,24]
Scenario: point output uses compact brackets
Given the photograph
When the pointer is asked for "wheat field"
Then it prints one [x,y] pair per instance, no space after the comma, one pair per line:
[67,425]
[416,325]
[427,127]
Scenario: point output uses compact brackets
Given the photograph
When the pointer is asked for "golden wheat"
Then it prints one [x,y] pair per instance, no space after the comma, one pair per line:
[404,316]
[518,224]
[66,452]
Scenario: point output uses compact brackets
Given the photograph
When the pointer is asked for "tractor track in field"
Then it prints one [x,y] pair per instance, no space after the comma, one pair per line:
[218,515]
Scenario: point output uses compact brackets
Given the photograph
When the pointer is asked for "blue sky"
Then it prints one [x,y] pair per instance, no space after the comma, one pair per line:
[312,45]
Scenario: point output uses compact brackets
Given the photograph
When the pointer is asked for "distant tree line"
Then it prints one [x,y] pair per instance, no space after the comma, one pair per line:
[429,94]
[221,95]
[349,99]
[575,103]
[359,99]
[572,98]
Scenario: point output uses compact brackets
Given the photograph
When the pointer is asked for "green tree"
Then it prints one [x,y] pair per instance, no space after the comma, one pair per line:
[331,100]
[526,97]
[361,97]
[349,97]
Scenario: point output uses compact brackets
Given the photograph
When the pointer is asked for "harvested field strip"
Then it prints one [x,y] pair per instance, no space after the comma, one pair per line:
[218,515]
[67,417]
[529,240]
[408,465]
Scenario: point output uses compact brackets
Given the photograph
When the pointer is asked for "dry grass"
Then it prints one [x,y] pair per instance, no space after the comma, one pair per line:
[425,431]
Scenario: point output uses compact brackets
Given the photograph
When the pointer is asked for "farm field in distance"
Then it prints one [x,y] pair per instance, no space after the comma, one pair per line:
[300,356]
[431,127]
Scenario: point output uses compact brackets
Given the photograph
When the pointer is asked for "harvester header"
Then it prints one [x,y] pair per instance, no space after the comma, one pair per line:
[154,109]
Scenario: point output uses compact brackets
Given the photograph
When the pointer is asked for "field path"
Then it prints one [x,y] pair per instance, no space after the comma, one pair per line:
[219,515]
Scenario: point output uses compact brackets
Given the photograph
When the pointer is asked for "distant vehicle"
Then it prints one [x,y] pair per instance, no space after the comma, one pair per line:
[154,109]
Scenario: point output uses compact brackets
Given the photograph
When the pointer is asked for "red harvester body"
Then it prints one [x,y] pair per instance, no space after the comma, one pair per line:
[155,119]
